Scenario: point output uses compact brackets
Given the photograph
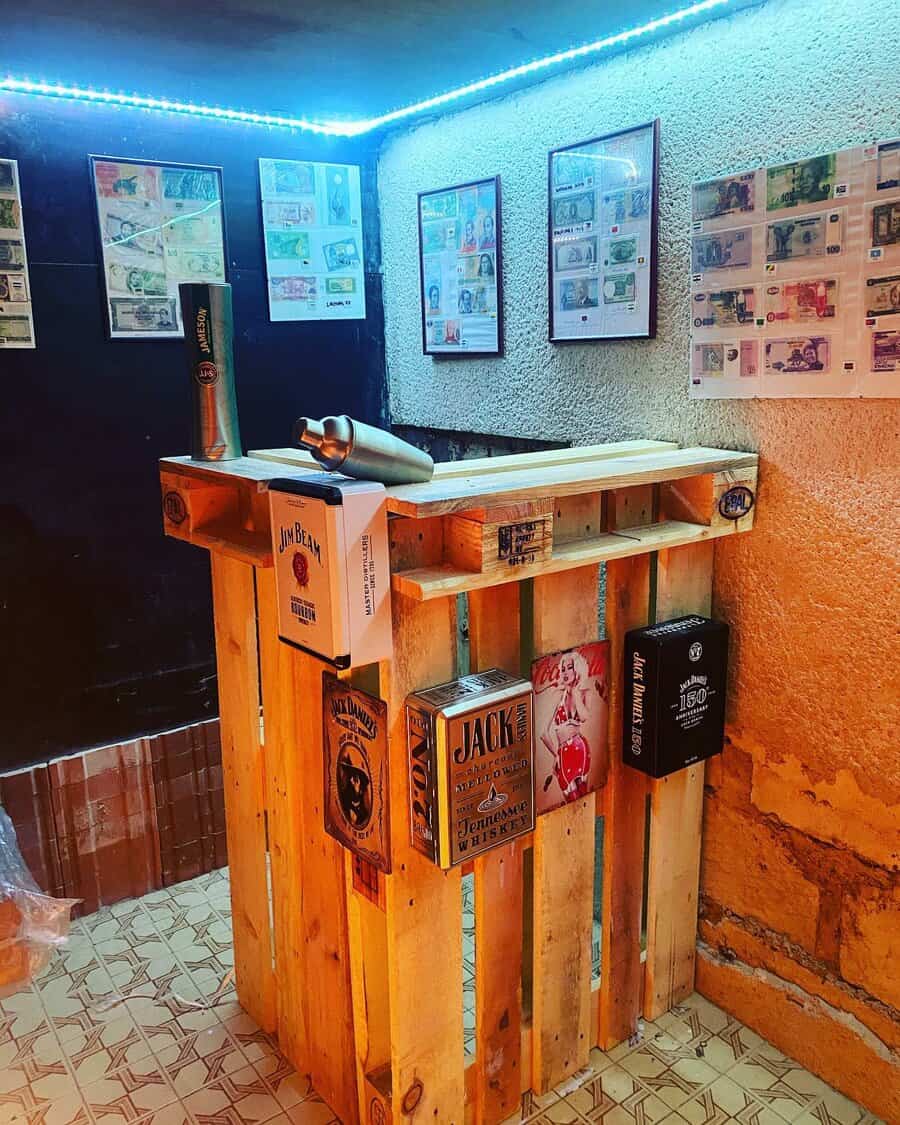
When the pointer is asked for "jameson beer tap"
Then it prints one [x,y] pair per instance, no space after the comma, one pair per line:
[470,765]
[209,338]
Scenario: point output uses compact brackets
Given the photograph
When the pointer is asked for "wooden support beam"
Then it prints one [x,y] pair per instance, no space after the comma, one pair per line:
[234,603]
[494,642]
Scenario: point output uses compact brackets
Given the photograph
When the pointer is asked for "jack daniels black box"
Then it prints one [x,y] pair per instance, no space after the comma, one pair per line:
[356,771]
[674,694]
[470,765]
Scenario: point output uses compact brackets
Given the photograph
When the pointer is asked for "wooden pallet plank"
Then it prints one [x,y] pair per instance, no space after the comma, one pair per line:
[494,643]
[234,604]
[284,778]
[423,916]
[684,585]
[564,613]
[621,974]
[489,490]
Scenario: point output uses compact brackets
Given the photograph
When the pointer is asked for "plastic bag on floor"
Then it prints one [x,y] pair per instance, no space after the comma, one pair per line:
[32,924]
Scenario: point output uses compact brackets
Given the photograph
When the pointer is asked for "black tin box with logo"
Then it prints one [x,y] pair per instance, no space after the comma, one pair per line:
[674,694]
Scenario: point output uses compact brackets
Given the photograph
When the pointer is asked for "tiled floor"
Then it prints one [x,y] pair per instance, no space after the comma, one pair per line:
[136,1021]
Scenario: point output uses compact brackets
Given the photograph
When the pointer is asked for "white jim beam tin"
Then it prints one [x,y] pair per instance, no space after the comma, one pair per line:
[332,578]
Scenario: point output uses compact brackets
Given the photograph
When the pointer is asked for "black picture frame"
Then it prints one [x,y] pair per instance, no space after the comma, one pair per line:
[649,331]
[93,160]
[460,351]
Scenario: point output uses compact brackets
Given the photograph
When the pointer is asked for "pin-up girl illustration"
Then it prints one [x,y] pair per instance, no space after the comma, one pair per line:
[563,735]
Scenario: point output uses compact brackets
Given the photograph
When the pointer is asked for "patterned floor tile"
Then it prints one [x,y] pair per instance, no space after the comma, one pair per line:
[722,1102]
[311,1111]
[128,1095]
[241,1098]
[288,1085]
[250,1037]
[673,1079]
[834,1109]
[778,1082]
[617,1097]
[173,1114]
[22,1015]
[200,1059]
[103,1050]
[167,1022]
[712,1034]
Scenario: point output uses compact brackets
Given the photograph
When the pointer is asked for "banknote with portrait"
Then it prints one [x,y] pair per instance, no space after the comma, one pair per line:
[886,351]
[7,176]
[286,178]
[886,223]
[133,231]
[295,288]
[337,188]
[118,180]
[724,250]
[627,205]
[477,267]
[619,288]
[724,308]
[191,183]
[284,216]
[136,280]
[288,245]
[620,251]
[887,175]
[801,182]
[13,287]
[14,329]
[575,254]
[578,293]
[10,214]
[12,254]
[341,255]
[573,210]
[148,316]
[724,358]
[810,236]
[798,354]
[731,195]
[798,302]
[882,295]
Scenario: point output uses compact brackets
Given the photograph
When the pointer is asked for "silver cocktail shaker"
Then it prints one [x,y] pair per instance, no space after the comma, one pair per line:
[362,451]
[209,336]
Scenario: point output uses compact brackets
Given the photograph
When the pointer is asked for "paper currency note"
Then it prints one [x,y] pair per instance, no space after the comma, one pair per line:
[186,264]
[618,288]
[439,236]
[571,170]
[10,217]
[725,250]
[287,215]
[573,210]
[440,206]
[13,287]
[340,284]
[803,181]
[578,294]
[798,354]
[7,176]
[341,255]
[192,229]
[886,223]
[288,244]
[887,176]
[116,180]
[337,182]
[886,351]
[484,299]
[732,195]
[147,316]
[287,177]
[575,254]
[812,236]
[724,307]
[620,251]
[798,302]
[15,329]
[882,295]
[477,267]
[135,280]
[129,232]
[12,254]
[180,183]
[627,205]
[293,288]
[728,358]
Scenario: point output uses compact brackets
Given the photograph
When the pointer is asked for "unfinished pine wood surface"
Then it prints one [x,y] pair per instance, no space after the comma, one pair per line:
[494,643]
[623,800]
[564,613]
[284,777]
[424,903]
[683,585]
[234,608]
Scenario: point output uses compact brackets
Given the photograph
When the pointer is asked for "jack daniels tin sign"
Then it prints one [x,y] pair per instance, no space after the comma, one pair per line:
[356,771]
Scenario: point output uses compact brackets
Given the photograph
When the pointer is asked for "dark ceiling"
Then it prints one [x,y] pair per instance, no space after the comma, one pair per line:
[315,58]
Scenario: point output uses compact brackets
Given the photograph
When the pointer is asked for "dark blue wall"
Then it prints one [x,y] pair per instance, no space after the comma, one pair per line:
[105,625]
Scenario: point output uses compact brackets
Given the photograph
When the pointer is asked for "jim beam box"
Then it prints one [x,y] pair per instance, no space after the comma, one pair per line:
[674,694]
[470,765]
[332,579]
[356,770]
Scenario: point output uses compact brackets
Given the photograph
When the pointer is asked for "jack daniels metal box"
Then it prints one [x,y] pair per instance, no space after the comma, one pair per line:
[674,694]
[470,765]
[356,771]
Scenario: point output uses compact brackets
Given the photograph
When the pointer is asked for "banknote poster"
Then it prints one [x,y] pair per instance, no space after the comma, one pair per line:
[160,225]
[460,268]
[602,237]
[16,321]
[312,232]
[571,713]
[795,277]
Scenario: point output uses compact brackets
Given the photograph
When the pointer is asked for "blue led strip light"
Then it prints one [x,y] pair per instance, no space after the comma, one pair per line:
[366,125]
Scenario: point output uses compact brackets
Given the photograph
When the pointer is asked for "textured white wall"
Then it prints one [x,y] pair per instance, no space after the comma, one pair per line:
[788,79]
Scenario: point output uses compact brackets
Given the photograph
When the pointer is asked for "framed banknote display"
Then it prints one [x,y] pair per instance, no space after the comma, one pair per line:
[312,227]
[795,278]
[16,321]
[159,224]
[461,269]
[601,236]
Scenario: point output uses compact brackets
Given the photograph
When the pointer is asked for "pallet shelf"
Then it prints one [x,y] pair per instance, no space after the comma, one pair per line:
[361,973]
